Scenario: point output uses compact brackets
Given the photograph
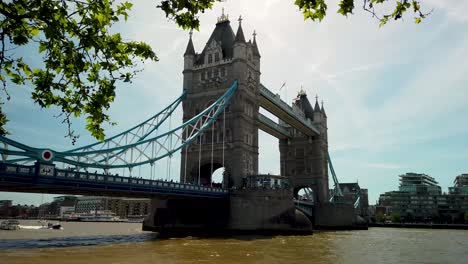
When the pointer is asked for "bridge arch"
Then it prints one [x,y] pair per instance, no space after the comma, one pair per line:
[207,173]
[305,193]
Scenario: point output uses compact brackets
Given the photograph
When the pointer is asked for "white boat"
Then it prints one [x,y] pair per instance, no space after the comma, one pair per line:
[99,216]
[135,219]
[10,225]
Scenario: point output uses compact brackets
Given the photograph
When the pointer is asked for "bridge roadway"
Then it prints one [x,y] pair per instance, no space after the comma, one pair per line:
[45,178]
[283,111]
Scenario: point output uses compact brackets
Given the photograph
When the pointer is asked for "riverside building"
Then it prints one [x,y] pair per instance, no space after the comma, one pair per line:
[122,207]
[420,199]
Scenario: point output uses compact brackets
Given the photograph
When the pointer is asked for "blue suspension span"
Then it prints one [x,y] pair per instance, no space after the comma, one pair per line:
[165,113]
[110,157]
[152,124]
[337,192]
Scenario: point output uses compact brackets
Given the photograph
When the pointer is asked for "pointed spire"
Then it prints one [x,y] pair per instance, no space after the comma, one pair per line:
[240,32]
[323,110]
[301,92]
[190,50]
[255,47]
[223,18]
[316,107]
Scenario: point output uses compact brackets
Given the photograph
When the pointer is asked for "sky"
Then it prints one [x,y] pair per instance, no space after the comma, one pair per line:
[396,96]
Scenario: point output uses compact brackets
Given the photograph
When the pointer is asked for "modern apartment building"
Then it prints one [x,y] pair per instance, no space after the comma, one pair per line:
[122,207]
[420,199]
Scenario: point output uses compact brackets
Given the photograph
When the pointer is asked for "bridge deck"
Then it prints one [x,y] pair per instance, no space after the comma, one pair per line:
[278,107]
[47,179]
[273,128]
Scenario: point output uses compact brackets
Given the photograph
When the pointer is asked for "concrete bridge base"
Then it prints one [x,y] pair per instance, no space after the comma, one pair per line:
[266,212]
[337,216]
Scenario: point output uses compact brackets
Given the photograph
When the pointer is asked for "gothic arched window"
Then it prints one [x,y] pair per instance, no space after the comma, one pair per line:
[210,58]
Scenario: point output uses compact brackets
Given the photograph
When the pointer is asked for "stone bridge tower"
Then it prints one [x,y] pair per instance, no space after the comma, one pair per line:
[304,159]
[225,58]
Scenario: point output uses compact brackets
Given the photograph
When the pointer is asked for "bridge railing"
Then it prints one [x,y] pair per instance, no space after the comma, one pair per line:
[288,109]
[30,171]
[17,169]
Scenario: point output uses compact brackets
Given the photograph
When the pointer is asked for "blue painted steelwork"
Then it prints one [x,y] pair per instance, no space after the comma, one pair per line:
[146,150]
[337,192]
[160,117]
[306,207]
[134,134]
[44,177]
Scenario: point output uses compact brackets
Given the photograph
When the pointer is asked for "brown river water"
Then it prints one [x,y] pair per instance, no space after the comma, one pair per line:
[122,243]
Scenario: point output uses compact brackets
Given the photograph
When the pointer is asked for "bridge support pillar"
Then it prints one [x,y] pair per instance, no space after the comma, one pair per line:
[186,216]
[336,216]
[266,211]
[246,211]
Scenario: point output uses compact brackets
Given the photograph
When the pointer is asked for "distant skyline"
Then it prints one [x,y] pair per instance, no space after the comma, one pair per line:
[396,96]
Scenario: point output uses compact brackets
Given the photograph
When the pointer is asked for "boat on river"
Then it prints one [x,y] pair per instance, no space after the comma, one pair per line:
[100,216]
[11,224]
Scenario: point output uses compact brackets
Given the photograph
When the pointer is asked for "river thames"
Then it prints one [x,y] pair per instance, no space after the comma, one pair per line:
[121,243]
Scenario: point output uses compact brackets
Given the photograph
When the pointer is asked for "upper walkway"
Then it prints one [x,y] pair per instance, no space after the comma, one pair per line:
[283,111]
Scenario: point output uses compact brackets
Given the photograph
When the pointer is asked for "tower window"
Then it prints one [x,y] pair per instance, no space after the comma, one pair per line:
[216,56]
[210,58]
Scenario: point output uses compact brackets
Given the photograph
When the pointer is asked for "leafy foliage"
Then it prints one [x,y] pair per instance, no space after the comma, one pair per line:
[3,121]
[379,217]
[316,9]
[184,12]
[396,218]
[82,60]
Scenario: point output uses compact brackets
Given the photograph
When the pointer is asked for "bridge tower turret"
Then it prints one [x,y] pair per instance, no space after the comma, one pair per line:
[189,61]
[303,158]
[225,58]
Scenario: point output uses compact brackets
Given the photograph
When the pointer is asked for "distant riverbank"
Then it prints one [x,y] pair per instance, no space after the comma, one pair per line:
[420,225]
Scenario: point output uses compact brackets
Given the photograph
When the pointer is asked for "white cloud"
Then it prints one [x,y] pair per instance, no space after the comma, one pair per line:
[455,10]
[344,60]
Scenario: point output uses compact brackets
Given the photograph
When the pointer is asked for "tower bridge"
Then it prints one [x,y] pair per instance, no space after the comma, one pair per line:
[221,98]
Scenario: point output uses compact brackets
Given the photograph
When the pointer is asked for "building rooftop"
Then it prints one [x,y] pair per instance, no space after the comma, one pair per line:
[411,178]
[224,35]
[461,180]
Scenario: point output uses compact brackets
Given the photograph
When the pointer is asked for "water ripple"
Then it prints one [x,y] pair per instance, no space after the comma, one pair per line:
[7,244]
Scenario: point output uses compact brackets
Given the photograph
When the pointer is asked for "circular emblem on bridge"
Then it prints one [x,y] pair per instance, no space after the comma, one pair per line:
[47,155]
